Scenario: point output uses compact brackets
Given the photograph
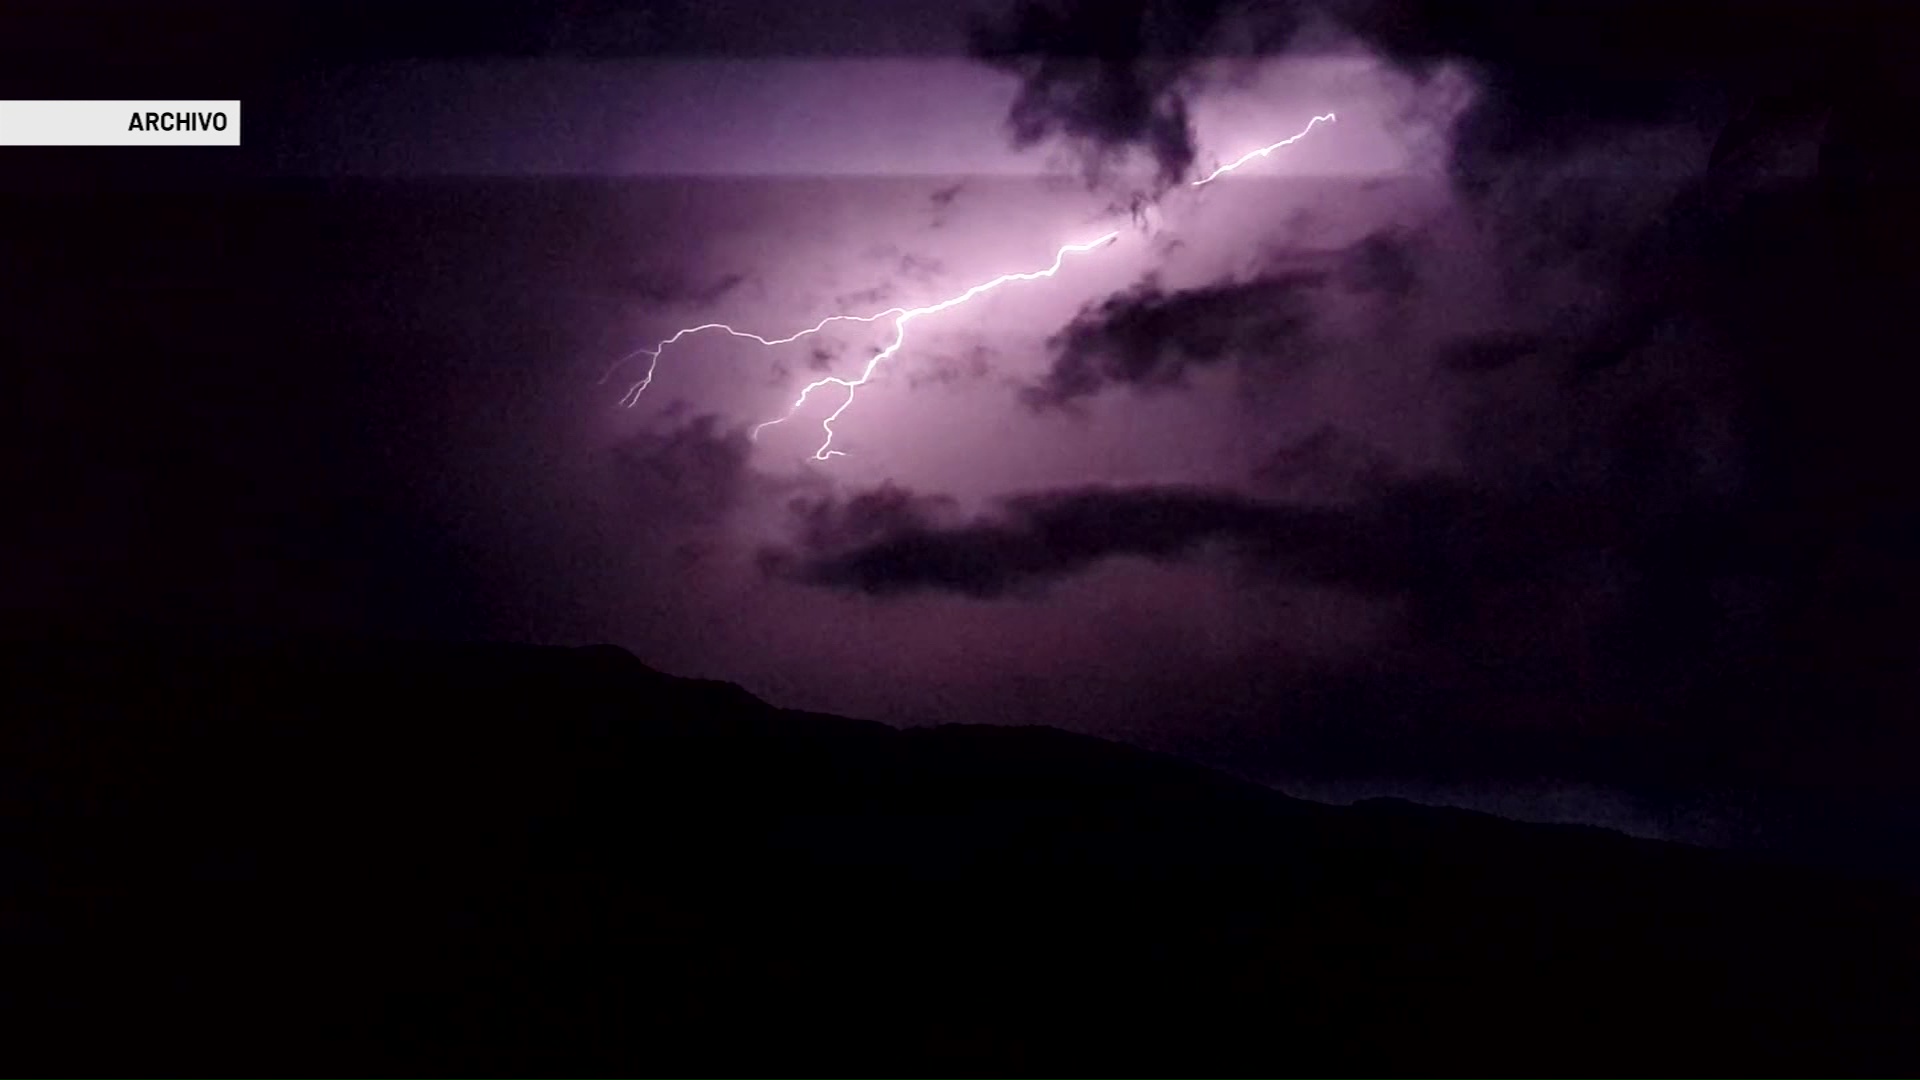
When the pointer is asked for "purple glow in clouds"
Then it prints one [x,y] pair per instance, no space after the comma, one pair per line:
[901,317]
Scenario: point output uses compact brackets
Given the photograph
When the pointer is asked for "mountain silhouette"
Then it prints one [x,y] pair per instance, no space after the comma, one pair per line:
[334,857]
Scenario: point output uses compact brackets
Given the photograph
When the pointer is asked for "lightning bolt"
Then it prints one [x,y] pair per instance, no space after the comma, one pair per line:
[900,338]
[632,396]
[901,317]
[1263,151]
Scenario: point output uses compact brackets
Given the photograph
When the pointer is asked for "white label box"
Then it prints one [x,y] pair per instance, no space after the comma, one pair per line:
[119,123]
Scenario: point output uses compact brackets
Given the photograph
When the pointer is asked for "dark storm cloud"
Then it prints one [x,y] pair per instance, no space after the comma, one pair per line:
[1555,75]
[1108,75]
[1148,337]
[827,524]
[1112,77]
[1037,538]
[1427,537]
[1118,76]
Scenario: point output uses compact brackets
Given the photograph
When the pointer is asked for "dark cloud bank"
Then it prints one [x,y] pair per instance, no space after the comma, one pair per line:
[1148,337]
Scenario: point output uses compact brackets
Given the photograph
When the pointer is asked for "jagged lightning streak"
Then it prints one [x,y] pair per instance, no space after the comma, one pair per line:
[632,396]
[1263,151]
[901,317]
[900,338]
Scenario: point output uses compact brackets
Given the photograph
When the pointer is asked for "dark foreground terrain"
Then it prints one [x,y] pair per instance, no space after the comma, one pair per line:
[504,859]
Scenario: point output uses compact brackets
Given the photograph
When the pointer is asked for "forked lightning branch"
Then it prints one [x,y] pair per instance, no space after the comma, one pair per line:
[900,316]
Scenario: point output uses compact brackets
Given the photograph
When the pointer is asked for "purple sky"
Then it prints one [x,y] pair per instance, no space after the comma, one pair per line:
[1475,438]
[817,187]
[811,249]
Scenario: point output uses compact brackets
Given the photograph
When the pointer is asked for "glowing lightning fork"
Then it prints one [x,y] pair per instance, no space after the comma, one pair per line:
[902,316]
[1263,151]
[632,396]
[900,338]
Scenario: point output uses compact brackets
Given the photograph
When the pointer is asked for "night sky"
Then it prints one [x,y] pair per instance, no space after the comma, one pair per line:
[1531,437]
